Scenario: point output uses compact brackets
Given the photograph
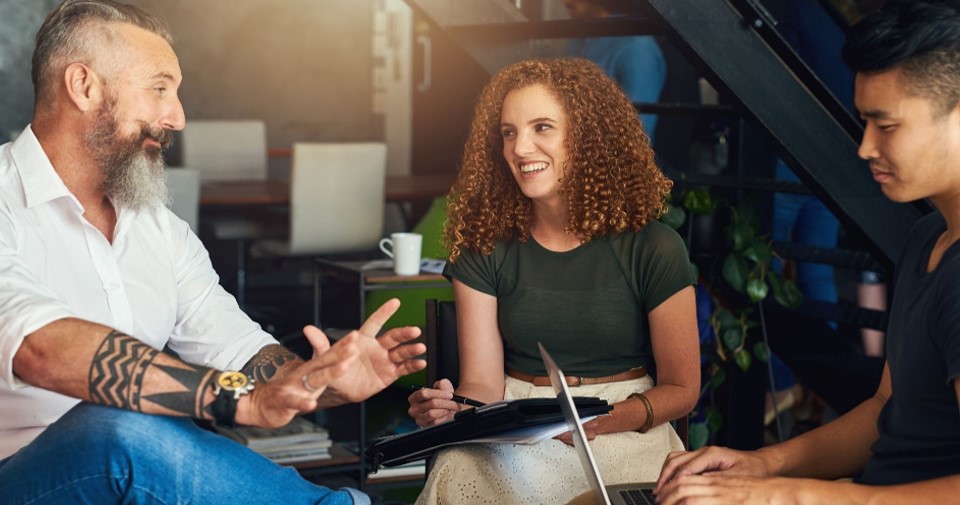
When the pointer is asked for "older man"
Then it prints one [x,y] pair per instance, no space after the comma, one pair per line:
[97,276]
[903,444]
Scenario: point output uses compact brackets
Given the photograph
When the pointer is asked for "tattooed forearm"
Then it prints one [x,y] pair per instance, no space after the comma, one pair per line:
[265,365]
[116,374]
[119,372]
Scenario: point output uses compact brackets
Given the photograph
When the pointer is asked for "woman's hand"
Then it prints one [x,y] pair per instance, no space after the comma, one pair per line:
[627,415]
[429,407]
[591,428]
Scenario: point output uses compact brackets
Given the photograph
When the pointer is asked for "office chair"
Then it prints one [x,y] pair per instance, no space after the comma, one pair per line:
[184,184]
[226,149]
[229,149]
[336,200]
[440,335]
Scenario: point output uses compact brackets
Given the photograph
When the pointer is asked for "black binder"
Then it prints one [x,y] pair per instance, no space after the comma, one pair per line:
[490,421]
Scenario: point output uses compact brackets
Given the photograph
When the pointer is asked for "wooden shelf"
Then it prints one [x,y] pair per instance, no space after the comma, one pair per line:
[340,456]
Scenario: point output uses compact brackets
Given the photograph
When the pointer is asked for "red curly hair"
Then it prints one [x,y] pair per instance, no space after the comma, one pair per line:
[610,183]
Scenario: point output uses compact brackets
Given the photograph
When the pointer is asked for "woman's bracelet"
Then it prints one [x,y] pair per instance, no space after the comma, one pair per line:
[646,403]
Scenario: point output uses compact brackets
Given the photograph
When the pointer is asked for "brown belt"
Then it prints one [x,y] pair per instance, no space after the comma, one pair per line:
[576,380]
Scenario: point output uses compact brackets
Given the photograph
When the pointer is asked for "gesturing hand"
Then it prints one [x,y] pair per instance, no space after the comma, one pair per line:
[273,404]
[380,361]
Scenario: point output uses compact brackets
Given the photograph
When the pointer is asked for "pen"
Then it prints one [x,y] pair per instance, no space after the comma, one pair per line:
[457,398]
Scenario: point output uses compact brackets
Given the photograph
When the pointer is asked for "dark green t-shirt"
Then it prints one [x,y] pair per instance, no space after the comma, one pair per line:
[587,306]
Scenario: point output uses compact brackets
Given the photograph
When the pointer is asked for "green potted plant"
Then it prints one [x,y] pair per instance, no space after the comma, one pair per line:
[740,278]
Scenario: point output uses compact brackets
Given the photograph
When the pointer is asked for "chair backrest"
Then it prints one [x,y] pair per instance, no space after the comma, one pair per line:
[440,334]
[337,197]
[226,149]
[184,184]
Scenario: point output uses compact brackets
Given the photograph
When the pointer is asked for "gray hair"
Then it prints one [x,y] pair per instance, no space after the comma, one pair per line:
[70,35]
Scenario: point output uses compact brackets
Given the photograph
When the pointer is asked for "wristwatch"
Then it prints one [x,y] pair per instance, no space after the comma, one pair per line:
[229,387]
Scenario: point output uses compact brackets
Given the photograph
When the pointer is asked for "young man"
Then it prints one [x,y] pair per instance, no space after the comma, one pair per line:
[97,276]
[903,444]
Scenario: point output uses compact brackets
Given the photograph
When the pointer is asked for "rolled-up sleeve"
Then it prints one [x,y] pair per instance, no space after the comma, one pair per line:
[26,304]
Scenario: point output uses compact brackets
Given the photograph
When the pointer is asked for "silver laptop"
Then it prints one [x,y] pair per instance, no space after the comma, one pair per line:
[621,494]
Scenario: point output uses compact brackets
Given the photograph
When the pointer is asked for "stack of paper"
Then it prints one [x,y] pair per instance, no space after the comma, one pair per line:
[411,470]
[301,440]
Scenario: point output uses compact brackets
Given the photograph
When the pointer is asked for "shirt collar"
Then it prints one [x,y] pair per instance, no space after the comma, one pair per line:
[41,183]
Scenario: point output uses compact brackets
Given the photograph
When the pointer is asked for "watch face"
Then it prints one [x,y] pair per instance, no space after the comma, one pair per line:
[232,381]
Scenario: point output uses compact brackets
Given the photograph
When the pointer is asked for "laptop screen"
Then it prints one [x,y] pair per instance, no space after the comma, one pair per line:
[559,383]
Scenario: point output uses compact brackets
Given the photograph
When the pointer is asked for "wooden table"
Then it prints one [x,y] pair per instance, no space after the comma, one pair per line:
[273,192]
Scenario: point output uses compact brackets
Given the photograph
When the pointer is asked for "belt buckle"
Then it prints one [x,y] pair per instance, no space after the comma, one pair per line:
[579,381]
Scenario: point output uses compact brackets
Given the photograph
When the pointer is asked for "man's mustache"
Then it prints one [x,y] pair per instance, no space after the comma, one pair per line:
[164,137]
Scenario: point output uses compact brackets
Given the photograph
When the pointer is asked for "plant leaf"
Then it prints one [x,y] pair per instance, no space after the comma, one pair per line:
[756,289]
[742,235]
[726,318]
[762,352]
[759,251]
[743,359]
[674,217]
[732,338]
[790,296]
[735,271]
[698,435]
[699,201]
[714,419]
[719,375]
[776,282]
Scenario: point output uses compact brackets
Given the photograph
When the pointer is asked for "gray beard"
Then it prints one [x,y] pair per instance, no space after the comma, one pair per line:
[138,183]
[133,175]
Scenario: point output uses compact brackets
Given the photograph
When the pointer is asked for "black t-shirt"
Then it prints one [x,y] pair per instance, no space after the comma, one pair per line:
[920,424]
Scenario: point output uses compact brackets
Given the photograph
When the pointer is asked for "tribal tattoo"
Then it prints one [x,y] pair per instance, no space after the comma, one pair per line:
[265,365]
[120,367]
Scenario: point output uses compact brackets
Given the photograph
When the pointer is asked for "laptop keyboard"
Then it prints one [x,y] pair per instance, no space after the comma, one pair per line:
[638,496]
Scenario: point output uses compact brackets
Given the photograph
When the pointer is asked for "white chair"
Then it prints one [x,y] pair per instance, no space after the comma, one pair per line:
[184,184]
[229,149]
[336,199]
[226,149]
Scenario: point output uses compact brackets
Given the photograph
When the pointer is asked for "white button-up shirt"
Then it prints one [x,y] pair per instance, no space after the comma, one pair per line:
[154,282]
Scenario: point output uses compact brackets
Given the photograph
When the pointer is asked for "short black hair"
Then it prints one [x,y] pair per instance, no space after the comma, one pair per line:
[919,37]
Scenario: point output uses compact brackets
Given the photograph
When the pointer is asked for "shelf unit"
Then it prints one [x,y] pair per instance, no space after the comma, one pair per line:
[364,277]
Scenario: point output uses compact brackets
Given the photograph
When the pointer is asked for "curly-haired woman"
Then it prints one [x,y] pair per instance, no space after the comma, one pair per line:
[553,236]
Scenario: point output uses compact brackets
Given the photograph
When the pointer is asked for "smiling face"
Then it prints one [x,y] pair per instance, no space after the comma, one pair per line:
[145,87]
[911,146]
[134,119]
[534,126]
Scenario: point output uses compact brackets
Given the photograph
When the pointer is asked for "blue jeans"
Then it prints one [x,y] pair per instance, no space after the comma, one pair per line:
[803,219]
[101,455]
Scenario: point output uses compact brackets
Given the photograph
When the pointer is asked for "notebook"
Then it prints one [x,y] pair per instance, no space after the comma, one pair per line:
[621,494]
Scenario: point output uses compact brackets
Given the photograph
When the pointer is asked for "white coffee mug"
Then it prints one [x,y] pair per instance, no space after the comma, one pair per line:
[405,251]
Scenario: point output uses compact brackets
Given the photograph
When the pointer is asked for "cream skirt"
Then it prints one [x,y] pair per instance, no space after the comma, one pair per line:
[548,472]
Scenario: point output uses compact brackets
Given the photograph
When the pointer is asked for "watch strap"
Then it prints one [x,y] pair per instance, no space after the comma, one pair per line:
[224,408]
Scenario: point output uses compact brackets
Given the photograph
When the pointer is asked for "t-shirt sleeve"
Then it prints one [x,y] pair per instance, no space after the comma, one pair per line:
[662,264]
[946,327]
[475,270]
